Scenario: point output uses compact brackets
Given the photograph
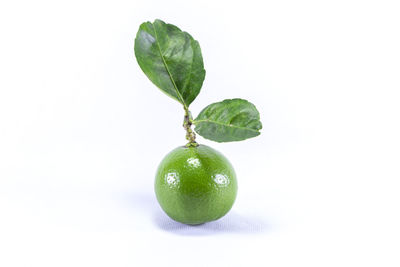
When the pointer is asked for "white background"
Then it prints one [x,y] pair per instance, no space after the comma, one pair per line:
[82,131]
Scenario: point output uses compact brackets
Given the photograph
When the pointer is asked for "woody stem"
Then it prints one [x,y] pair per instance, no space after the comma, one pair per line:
[187,125]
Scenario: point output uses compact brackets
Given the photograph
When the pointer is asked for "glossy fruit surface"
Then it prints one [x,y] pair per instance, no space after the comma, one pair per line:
[195,185]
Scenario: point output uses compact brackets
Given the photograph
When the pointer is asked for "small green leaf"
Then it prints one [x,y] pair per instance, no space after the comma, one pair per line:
[229,120]
[171,59]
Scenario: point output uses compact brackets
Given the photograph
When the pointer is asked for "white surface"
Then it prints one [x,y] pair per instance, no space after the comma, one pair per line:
[82,131]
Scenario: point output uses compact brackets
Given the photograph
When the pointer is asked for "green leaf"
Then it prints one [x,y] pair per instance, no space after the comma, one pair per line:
[229,120]
[171,59]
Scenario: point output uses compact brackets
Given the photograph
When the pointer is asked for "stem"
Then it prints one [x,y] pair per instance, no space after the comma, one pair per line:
[187,125]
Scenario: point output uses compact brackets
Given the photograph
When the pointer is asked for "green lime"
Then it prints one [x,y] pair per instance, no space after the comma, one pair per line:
[195,185]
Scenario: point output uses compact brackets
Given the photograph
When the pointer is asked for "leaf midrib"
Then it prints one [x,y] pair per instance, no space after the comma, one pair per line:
[166,67]
[226,125]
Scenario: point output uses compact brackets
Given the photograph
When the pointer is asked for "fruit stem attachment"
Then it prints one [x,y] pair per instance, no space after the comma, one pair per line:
[187,125]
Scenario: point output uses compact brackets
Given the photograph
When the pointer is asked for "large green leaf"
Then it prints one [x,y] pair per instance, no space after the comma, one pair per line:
[171,59]
[229,120]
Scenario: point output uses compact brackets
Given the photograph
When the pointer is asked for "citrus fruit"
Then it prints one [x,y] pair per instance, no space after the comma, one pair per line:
[195,185]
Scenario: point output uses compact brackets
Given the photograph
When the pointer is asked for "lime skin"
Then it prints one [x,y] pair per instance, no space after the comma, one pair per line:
[195,185]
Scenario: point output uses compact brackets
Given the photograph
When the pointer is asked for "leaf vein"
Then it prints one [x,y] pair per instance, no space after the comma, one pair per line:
[166,67]
[226,125]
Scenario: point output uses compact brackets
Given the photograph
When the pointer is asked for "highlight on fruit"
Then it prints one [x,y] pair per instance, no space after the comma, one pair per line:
[194,183]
